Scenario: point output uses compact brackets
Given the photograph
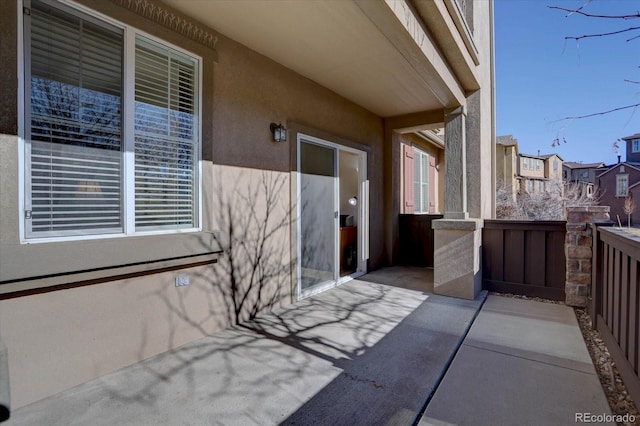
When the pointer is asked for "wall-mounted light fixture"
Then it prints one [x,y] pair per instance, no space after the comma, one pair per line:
[353,201]
[279,132]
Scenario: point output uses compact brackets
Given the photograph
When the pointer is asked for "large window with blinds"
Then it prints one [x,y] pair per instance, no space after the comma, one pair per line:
[112,128]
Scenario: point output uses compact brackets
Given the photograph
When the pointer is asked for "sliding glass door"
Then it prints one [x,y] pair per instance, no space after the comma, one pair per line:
[318,198]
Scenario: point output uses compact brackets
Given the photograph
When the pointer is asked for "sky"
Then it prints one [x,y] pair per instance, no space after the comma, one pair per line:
[541,79]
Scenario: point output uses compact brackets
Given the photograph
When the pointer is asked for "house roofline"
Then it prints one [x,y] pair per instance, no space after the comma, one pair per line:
[613,166]
[573,165]
[635,136]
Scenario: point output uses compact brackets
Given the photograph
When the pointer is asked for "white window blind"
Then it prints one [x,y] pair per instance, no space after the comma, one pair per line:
[76,114]
[165,137]
[74,139]
[421,182]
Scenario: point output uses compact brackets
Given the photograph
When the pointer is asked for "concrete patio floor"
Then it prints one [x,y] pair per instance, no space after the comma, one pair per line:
[523,362]
[368,352]
[362,353]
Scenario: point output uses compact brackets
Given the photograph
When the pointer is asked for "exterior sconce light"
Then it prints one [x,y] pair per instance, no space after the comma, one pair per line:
[279,132]
[353,201]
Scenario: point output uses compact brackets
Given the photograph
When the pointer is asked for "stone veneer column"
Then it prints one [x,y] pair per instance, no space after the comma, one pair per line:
[577,249]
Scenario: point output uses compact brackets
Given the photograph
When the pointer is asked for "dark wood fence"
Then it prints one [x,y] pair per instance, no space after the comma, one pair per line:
[615,301]
[416,239]
[524,257]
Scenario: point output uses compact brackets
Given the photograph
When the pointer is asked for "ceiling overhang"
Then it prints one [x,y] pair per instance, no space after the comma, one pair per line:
[374,53]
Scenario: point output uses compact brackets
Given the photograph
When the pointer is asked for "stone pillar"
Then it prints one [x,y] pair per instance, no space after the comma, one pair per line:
[457,238]
[455,165]
[457,270]
[577,249]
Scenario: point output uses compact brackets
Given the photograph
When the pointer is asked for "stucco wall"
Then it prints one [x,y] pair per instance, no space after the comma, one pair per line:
[60,339]
[482,203]
[65,337]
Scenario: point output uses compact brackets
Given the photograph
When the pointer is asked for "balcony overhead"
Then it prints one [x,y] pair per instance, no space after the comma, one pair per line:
[375,53]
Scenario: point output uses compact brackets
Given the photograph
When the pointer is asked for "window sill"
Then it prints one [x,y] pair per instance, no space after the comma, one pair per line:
[31,266]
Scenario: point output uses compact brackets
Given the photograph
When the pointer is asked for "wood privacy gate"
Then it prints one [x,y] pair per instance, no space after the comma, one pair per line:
[615,300]
[524,257]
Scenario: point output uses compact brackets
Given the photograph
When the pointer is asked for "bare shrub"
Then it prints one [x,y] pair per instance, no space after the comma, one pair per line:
[543,205]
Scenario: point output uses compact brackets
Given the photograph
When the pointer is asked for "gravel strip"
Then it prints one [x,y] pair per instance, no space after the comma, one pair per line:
[619,399]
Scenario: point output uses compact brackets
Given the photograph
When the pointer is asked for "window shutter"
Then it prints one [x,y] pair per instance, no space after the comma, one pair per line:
[407,164]
[166,137]
[432,184]
[74,125]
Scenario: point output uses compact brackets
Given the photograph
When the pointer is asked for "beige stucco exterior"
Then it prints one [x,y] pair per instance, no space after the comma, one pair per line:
[545,176]
[71,311]
[507,167]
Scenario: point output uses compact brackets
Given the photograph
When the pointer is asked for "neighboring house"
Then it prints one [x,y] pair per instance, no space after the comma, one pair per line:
[507,163]
[584,174]
[633,148]
[170,168]
[540,173]
[619,180]
[553,173]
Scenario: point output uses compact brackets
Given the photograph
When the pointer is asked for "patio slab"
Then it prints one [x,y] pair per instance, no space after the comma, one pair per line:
[362,353]
[523,362]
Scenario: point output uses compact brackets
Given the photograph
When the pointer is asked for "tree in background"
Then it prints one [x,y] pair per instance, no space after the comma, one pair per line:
[542,205]
[629,207]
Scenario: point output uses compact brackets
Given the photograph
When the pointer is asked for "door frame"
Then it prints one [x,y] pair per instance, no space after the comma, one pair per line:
[362,220]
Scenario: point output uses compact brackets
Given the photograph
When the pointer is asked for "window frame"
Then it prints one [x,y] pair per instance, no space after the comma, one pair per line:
[530,186]
[619,179]
[418,156]
[635,145]
[127,177]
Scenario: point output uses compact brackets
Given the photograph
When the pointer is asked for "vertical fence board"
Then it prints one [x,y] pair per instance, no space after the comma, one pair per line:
[556,260]
[514,255]
[609,287]
[633,315]
[535,261]
[617,290]
[624,303]
[493,248]
[416,239]
[596,277]
[616,296]
[524,257]
[604,305]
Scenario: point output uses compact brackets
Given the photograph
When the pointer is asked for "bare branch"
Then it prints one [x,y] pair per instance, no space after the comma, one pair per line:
[593,15]
[604,34]
[602,112]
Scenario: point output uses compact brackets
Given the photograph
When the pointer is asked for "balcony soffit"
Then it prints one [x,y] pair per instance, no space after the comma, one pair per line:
[358,49]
